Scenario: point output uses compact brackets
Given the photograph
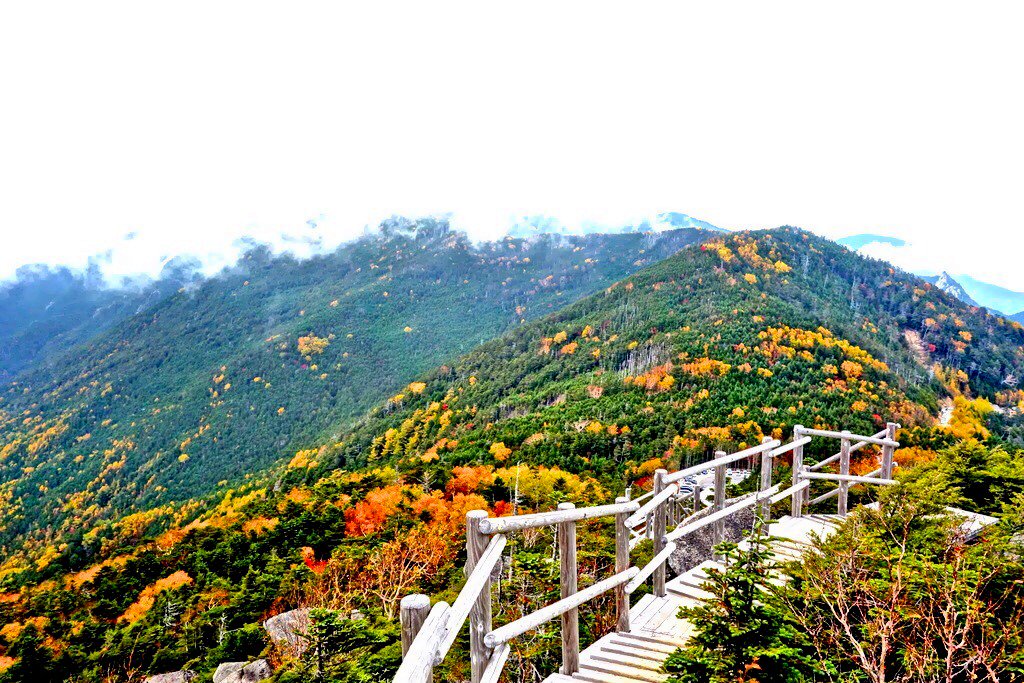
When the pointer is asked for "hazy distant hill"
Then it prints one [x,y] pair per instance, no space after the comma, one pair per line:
[992,296]
[46,311]
[855,242]
[968,288]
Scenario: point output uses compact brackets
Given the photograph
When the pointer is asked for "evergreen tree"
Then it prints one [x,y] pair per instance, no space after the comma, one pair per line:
[743,633]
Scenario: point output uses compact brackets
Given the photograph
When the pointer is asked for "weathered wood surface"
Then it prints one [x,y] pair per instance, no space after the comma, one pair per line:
[640,515]
[477,587]
[844,470]
[413,613]
[621,565]
[659,524]
[531,621]
[480,613]
[796,508]
[719,503]
[419,661]
[722,458]
[850,478]
[877,440]
[504,525]
[568,576]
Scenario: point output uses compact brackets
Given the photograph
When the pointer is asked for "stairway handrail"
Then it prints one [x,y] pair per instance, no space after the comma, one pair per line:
[718,462]
[490,651]
[504,525]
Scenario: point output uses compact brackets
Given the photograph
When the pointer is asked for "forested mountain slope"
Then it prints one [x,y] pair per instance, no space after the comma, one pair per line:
[711,348]
[217,381]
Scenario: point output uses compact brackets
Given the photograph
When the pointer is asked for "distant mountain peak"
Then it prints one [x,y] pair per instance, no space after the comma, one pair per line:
[947,284]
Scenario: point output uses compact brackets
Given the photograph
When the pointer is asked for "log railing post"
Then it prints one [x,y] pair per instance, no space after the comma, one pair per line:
[658,578]
[621,565]
[719,526]
[887,451]
[568,578]
[766,480]
[696,498]
[480,616]
[413,612]
[797,501]
[844,468]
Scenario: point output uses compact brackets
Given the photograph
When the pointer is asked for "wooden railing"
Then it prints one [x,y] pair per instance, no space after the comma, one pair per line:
[429,632]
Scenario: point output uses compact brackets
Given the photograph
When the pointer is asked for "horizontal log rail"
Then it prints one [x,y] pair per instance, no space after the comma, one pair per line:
[531,621]
[853,449]
[642,497]
[641,515]
[825,476]
[504,525]
[835,492]
[787,447]
[725,460]
[877,440]
[823,497]
[827,461]
[648,569]
[786,493]
[749,501]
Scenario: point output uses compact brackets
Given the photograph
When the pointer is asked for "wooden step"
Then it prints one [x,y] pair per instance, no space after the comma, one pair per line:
[641,642]
[593,667]
[614,647]
[600,677]
[625,659]
[689,592]
[656,639]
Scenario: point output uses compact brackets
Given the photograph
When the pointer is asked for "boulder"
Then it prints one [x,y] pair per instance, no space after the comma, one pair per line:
[227,669]
[288,631]
[699,545]
[172,677]
[240,672]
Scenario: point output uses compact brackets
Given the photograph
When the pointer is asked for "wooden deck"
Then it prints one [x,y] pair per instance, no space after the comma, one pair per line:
[656,631]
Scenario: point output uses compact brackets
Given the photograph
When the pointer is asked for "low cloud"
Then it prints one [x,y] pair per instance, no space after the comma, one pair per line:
[145,253]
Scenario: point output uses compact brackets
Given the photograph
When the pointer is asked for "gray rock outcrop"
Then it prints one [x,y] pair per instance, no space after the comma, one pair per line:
[288,631]
[698,547]
[172,677]
[242,672]
[226,669]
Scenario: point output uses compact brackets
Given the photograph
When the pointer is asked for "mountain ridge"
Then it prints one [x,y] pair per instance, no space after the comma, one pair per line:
[217,382]
[713,347]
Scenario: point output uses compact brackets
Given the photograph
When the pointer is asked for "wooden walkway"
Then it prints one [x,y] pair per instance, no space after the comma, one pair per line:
[656,631]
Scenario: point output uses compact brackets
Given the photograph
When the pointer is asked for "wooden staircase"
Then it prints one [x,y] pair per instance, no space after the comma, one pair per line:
[655,629]
[646,633]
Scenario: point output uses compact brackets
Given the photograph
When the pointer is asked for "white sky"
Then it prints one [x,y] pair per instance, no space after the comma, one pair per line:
[194,123]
